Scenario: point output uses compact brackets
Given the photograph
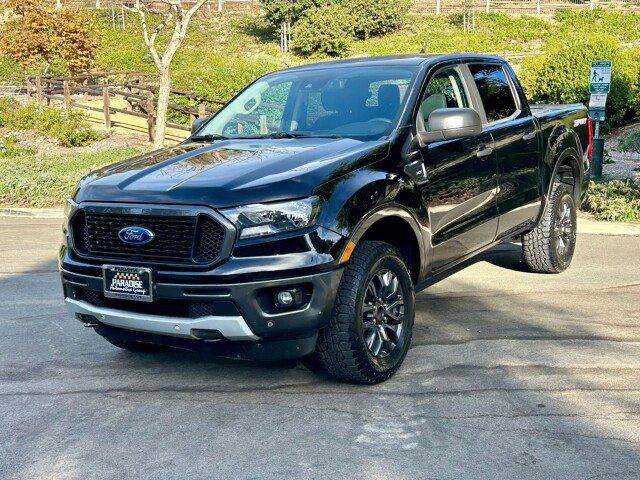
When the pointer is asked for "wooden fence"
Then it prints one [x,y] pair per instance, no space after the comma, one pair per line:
[524,7]
[140,97]
[530,7]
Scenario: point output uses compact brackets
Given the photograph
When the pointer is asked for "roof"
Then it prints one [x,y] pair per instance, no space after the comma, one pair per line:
[396,60]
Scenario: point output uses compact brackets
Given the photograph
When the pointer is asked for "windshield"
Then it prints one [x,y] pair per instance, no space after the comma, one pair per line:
[353,102]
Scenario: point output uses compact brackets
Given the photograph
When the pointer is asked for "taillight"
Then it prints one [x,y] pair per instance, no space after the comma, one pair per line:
[590,138]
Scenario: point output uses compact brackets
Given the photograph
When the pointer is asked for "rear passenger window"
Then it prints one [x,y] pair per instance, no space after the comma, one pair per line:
[495,91]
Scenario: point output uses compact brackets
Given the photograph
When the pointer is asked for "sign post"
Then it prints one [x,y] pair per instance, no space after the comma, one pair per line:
[599,87]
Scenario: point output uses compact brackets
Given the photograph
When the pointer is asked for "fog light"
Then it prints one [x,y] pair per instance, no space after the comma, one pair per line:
[284,298]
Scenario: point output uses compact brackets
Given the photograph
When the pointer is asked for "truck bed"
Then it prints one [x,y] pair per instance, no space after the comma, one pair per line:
[544,109]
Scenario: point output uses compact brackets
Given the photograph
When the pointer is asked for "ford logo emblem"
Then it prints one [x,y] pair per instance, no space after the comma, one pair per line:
[136,235]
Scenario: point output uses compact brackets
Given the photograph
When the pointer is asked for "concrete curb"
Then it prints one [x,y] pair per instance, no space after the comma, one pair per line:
[31,212]
[594,227]
[585,225]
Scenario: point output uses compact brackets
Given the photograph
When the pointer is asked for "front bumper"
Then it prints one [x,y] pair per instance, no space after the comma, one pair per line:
[251,321]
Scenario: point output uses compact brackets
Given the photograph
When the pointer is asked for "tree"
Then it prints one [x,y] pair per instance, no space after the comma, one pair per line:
[180,18]
[36,34]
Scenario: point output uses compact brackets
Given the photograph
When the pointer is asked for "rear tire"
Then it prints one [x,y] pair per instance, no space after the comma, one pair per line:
[549,247]
[132,346]
[371,325]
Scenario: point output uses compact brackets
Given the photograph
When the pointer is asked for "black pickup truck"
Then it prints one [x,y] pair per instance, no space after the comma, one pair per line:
[300,220]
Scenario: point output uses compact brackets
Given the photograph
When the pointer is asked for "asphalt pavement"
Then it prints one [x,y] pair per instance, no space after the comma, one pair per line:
[510,375]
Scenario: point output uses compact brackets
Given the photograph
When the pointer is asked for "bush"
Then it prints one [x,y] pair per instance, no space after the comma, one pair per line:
[329,29]
[562,75]
[11,146]
[45,181]
[630,143]
[370,18]
[615,200]
[69,129]
[278,11]
[323,30]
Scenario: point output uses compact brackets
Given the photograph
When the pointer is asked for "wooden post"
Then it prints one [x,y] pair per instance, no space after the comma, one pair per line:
[29,89]
[538,9]
[105,108]
[438,7]
[67,95]
[39,89]
[202,111]
[85,95]
[151,119]
[488,7]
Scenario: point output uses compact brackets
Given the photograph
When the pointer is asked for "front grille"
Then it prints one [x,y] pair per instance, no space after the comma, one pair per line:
[164,307]
[186,240]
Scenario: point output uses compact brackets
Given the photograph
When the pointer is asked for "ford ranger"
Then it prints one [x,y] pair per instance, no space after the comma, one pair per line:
[301,219]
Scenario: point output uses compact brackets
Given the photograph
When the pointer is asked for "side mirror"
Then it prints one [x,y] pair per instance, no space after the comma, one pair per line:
[449,124]
[197,123]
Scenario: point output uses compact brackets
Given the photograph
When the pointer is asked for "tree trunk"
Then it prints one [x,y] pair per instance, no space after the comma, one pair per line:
[163,105]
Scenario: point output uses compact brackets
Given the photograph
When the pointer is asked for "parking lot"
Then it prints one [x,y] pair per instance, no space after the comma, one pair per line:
[510,375]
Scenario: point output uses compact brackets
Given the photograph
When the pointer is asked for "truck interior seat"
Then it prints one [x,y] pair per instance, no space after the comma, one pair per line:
[431,103]
[388,100]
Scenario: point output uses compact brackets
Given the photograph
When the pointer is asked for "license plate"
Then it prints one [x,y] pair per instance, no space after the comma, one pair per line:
[128,283]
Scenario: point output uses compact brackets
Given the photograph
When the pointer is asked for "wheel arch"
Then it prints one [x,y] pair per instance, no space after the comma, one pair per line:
[395,225]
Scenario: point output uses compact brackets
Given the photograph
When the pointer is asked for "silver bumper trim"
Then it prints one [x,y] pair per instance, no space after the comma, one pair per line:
[233,328]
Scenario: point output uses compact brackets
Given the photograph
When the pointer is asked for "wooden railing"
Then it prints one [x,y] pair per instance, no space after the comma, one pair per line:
[140,96]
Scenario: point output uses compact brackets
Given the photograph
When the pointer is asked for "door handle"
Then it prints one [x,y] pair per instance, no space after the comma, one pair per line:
[484,152]
[529,136]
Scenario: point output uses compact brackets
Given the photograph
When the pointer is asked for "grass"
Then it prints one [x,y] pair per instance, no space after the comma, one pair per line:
[46,181]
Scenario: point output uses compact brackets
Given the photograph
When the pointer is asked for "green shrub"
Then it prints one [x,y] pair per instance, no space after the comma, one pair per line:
[278,11]
[371,18]
[323,30]
[45,181]
[329,29]
[11,146]
[562,75]
[69,129]
[630,142]
[615,200]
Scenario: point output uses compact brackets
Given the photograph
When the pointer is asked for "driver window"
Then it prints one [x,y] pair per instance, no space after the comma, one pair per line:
[445,90]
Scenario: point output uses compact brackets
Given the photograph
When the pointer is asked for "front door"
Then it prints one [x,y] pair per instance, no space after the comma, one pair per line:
[459,192]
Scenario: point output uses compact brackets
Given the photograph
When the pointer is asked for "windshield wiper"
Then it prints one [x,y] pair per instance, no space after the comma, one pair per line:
[208,138]
[290,135]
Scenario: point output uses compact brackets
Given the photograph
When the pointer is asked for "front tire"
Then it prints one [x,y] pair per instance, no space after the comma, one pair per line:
[549,247]
[370,330]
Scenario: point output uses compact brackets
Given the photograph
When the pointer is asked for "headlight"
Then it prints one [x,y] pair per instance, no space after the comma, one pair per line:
[270,218]
[69,207]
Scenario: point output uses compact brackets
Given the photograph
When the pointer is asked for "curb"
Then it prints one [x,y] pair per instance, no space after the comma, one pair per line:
[594,227]
[585,225]
[31,212]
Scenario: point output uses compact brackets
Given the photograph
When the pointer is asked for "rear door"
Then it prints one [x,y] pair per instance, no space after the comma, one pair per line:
[461,182]
[516,144]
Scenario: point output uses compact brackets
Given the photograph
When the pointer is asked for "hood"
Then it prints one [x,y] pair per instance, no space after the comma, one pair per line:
[230,172]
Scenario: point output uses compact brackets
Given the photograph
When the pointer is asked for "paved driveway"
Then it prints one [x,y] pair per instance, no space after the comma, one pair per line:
[511,375]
